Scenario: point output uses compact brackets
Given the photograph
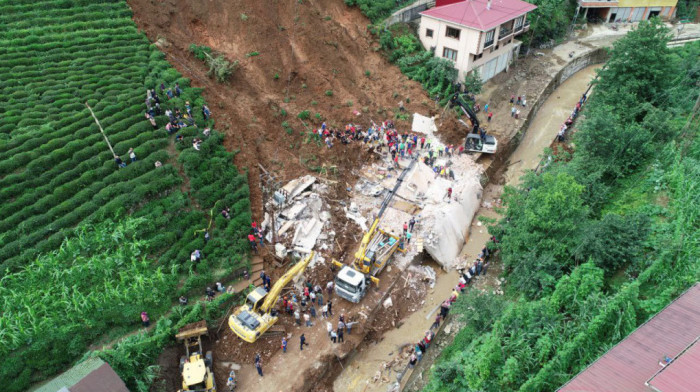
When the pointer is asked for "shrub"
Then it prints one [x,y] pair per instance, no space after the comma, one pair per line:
[304,115]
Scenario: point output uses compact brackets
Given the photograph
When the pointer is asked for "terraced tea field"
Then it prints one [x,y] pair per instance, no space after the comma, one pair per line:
[59,181]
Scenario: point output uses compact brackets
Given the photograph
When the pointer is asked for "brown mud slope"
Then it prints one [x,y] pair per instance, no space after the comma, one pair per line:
[314,47]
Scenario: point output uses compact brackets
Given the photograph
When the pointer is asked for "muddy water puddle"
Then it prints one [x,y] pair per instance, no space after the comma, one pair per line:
[361,369]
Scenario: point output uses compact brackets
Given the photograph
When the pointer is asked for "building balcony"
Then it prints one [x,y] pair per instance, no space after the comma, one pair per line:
[523,28]
[488,43]
[597,3]
[504,32]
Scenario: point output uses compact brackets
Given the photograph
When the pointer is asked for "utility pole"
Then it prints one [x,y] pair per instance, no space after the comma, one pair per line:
[270,185]
[101,130]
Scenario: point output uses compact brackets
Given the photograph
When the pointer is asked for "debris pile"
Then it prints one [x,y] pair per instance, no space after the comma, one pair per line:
[442,222]
[302,219]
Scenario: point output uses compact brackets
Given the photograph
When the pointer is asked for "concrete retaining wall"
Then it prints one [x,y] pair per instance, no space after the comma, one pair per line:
[592,57]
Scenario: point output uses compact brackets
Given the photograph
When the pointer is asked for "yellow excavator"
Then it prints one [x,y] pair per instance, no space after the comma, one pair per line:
[196,366]
[375,251]
[257,315]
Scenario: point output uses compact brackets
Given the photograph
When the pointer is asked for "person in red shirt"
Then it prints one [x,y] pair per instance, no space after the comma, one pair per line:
[253,244]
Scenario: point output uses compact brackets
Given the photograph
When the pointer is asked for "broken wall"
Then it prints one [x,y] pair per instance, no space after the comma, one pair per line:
[446,223]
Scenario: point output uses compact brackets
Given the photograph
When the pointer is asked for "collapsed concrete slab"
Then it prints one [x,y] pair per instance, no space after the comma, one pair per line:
[423,124]
[307,233]
[446,222]
[298,185]
[442,223]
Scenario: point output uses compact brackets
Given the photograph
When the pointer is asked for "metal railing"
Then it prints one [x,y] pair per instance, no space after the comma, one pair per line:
[504,32]
[488,43]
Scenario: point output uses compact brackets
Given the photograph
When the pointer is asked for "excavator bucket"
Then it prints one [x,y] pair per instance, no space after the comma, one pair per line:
[337,263]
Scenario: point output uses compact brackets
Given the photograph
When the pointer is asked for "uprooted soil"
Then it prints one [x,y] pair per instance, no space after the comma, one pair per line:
[293,56]
[306,51]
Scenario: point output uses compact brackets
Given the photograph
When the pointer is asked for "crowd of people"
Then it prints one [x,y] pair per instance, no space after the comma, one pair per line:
[400,145]
[466,277]
[520,101]
[256,235]
[309,305]
[561,135]
[177,119]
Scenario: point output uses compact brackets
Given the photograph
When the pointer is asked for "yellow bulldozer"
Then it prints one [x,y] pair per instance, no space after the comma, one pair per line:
[195,365]
[257,315]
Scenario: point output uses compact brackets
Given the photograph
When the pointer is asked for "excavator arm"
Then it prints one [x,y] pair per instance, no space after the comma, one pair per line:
[361,253]
[362,250]
[458,100]
[275,291]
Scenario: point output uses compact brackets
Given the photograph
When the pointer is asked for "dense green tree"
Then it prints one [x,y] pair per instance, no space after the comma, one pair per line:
[551,20]
[640,70]
[377,10]
[627,117]
[614,241]
[687,9]
[473,82]
[539,229]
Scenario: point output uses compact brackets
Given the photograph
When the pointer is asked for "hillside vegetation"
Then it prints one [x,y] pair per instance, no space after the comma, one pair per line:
[73,266]
[597,242]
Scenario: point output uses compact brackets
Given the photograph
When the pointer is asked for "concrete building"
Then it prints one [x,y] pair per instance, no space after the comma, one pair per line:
[626,10]
[475,34]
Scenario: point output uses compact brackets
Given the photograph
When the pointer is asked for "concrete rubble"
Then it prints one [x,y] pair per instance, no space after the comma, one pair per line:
[442,224]
[302,219]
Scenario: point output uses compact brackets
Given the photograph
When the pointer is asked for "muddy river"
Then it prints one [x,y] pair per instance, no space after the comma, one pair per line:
[357,375]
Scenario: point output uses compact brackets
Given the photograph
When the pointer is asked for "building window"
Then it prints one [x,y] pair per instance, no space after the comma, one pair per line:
[429,33]
[478,56]
[489,38]
[452,33]
[518,23]
[449,54]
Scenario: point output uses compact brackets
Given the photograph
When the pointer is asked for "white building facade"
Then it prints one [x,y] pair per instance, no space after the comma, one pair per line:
[475,34]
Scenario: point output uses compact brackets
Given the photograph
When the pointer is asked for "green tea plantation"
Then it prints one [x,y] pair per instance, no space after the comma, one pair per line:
[85,245]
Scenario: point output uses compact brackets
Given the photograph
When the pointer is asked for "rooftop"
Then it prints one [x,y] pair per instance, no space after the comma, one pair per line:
[474,13]
[91,375]
[636,359]
[681,374]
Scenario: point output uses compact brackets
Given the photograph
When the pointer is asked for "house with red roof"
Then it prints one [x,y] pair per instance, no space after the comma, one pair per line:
[662,355]
[475,34]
